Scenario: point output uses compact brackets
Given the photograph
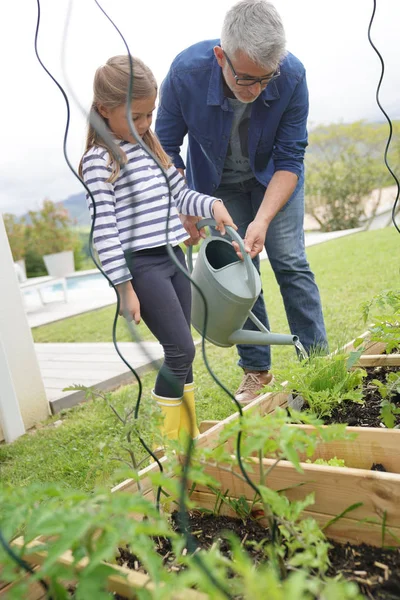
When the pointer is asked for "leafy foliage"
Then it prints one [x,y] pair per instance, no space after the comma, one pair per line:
[45,231]
[332,462]
[128,428]
[296,542]
[324,382]
[50,229]
[388,390]
[92,526]
[16,233]
[344,164]
[384,312]
[295,548]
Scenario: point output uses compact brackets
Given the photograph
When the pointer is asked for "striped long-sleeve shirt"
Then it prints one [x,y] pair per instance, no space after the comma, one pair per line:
[131,213]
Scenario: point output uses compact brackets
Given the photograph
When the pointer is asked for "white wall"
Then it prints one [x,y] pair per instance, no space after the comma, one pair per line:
[17,341]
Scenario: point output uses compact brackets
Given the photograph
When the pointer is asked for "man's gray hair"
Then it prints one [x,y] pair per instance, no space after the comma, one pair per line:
[255,28]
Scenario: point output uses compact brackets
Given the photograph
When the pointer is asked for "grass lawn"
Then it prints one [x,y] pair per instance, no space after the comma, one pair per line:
[81,451]
[94,326]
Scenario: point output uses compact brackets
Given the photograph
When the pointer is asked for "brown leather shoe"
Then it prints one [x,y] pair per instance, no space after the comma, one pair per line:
[252,384]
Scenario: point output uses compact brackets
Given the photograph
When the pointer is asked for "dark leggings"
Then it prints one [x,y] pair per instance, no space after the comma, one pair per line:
[165,302]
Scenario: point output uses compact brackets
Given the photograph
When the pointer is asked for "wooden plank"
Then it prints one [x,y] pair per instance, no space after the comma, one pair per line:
[262,405]
[124,582]
[206,425]
[381,360]
[35,590]
[384,440]
[344,530]
[370,347]
[372,445]
[146,487]
[335,488]
[64,377]
[85,348]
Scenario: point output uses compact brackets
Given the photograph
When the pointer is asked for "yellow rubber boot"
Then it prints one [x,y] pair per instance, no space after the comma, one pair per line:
[171,409]
[188,421]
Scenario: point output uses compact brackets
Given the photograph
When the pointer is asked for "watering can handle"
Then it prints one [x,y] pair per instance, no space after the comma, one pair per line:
[236,238]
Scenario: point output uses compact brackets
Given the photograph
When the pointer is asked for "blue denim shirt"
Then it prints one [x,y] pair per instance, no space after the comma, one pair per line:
[192,102]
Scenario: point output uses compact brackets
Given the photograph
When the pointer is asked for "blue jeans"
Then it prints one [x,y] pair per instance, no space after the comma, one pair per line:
[286,251]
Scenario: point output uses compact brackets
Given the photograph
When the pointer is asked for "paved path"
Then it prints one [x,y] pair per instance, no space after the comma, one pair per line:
[97,364]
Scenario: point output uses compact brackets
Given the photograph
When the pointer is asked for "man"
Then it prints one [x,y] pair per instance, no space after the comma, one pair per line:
[243,101]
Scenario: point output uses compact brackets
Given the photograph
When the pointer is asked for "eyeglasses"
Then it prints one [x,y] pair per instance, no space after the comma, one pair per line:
[248,81]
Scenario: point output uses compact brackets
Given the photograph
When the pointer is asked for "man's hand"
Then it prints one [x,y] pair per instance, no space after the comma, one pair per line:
[254,239]
[189,224]
[129,302]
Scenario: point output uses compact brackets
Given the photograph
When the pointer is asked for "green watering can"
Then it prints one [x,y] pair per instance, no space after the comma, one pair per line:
[230,286]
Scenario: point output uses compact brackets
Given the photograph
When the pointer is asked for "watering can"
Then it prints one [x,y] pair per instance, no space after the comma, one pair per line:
[230,287]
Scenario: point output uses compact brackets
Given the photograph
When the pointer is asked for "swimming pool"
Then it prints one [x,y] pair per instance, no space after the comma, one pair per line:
[78,281]
[81,281]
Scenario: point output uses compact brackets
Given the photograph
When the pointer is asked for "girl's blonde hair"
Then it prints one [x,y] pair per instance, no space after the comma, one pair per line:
[110,89]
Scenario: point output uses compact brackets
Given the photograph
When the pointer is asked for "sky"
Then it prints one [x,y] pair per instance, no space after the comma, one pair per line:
[330,38]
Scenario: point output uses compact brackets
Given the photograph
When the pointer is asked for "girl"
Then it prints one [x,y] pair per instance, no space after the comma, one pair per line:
[130,230]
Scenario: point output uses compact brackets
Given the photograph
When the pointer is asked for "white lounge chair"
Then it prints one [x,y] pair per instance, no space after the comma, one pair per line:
[39,283]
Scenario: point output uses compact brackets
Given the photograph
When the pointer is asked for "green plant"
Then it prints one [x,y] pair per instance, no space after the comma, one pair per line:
[129,428]
[16,233]
[91,526]
[332,462]
[344,166]
[94,526]
[296,542]
[388,390]
[50,230]
[34,263]
[324,382]
[299,584]
[384,311]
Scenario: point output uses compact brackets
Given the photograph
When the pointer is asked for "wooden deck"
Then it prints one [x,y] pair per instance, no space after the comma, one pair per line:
[96,364]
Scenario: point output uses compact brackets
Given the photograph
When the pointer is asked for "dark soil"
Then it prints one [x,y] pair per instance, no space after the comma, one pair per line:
[376,571]
[206,531]
[378,467]
[366,414]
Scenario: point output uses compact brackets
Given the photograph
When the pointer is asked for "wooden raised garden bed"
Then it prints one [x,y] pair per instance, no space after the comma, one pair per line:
[335,488]
[374,445]
[374,354]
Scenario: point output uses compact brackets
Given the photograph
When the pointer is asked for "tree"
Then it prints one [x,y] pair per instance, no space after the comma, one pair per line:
[50,230]
[344,164]
[16,233]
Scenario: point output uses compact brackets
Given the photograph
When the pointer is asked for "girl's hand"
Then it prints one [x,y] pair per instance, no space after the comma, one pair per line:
[189,224]
[222,217]
[129,302]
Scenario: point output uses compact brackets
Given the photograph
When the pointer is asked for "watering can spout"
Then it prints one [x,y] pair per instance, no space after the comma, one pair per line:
[259,338]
